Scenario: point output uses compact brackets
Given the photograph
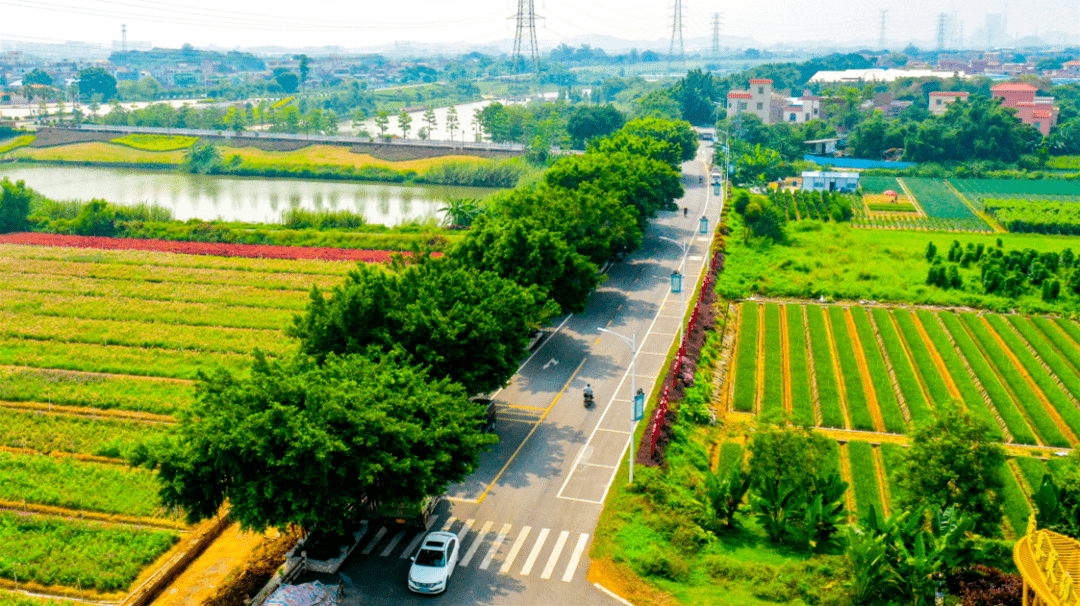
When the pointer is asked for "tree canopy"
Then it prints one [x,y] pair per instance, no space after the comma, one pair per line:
[592,121]
[471,326]
[97,81]
[14,205]
[953,460]
[669,141]
[37,76]
[315,445]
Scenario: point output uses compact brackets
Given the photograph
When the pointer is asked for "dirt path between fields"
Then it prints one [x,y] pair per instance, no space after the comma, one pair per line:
[845,473]
[841,389]
[883,482]
[785,358]
[935,355]
[202,577]
[759,387]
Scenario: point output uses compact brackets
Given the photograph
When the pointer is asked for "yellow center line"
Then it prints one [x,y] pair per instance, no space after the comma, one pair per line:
[525,407]
[531,432]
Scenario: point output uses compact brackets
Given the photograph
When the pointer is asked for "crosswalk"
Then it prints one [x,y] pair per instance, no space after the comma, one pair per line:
[528,552]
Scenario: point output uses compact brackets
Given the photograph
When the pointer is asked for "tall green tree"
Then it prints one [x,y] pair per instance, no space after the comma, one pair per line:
[37,76]
[590,121]
[382,122]
[673,142]
[14,205]
[404,121]
[954,460]
[527,252]
[317,445]
[470,326]
[96,81]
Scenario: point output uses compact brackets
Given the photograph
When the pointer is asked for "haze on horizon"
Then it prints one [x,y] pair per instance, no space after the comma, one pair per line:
[350,25]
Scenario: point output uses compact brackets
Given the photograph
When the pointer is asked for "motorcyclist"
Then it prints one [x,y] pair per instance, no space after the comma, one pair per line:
[685,211]
[588,392]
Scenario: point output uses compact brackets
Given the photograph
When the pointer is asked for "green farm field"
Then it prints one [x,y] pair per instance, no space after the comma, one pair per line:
[880,369]
[99,351]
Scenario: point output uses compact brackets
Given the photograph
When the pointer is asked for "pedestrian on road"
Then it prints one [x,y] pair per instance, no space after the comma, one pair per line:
[685,211]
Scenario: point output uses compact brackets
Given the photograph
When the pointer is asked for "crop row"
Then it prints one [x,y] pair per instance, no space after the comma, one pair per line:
[142,334]
[1036,216]
[46,433]
[52,551]
[51,386]
[78,485]
[143,310]
[213,294]
[178,276]
[1019,375]
[145,258]
[1017,188]
[119,359]
[935,197]
[971,224]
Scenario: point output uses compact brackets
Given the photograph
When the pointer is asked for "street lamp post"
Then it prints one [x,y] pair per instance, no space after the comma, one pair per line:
[634,414]
[685,246]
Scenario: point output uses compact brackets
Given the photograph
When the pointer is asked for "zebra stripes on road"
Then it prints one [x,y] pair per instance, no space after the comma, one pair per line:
[537,548]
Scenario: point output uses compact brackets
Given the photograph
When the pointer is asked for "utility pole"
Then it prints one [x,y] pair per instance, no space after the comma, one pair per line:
[676,32]
[525,35]
[941,31]
[123,37]
[716,35]
[881,38]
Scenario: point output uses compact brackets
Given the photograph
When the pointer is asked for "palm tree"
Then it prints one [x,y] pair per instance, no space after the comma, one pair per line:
[460,212]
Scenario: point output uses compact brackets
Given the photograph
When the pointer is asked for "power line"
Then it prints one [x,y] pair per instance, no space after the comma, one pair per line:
[716,35]
[676,32]
[881,39]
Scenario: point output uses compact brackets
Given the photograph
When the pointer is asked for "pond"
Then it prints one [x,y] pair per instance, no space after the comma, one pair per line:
[253,200]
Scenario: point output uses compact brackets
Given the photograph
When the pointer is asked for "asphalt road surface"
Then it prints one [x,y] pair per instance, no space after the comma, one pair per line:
[526,517]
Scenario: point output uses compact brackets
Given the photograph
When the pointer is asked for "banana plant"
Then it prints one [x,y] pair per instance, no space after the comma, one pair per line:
[725,495]
[872,572]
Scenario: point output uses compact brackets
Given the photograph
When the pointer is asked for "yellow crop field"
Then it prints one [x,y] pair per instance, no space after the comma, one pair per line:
[332,155]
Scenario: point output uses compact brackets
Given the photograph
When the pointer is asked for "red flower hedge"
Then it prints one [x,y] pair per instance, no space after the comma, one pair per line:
[258,251]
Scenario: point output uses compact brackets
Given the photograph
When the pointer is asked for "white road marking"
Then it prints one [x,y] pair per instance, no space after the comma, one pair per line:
[484,530]
[614,431]
[515,549]
[393,543]
[495,545]
[464,530]
[375,541]
[555,553]
[575,557]
[448,524]
[535,553]
[551,362]
[413,545]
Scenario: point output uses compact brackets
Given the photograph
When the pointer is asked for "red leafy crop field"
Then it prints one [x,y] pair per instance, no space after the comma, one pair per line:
[258,251]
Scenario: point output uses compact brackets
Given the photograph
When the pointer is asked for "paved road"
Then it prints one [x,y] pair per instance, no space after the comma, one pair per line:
[526,517]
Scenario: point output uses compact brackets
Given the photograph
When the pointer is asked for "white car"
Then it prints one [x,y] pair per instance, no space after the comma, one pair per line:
[434,564]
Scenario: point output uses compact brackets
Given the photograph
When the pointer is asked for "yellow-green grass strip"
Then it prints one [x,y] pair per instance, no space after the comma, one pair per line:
[214,294]
[130,309]
[1056,335]
[94,391]
[1033,470]
[905,373]
[772,400]
[151,335]
[58,552]
[972,399]
[879,373]
[117,359]
[1017,509]
[149,258]
[47,433]
[1070,327]
[991,382]
[79,485]
[730,457]
[1025,397]
[157,143]
[935,385]
[179,275]
[746,358]
[893,456]
[802,404]
[858,408]
[832,415]
[864,477]
[17,142]
[1038,374]
[1049,353]
[831,464]
[98,151]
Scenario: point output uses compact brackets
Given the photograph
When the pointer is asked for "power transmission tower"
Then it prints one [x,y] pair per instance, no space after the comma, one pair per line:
[881,38]
[716,35]
[941,31]
[676,32]
[123,37]
[526,28]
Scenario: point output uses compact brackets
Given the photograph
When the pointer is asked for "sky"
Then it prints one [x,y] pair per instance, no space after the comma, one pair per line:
[370,23]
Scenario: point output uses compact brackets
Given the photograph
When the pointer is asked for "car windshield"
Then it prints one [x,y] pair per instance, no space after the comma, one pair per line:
[430,557]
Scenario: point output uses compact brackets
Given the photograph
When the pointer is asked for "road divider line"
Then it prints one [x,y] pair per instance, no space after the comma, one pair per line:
[553,559]
[495,545]
[575,557]
[374,541]
[531,432]
[613,431]
[484,530]
[535,553]
[393,543]
[514,549]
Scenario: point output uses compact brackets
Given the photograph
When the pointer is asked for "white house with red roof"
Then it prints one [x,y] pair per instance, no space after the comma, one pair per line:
[757,100]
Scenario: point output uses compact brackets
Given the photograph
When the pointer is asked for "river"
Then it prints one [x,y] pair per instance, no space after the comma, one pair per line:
[253,200]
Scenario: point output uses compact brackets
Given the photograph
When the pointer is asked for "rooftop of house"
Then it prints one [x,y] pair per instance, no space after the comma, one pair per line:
[760,81]
[943,93]
[1014,87]
[738,95]
[1041,113]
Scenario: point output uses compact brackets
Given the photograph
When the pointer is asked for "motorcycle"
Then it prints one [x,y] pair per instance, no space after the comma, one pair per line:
[589,401]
